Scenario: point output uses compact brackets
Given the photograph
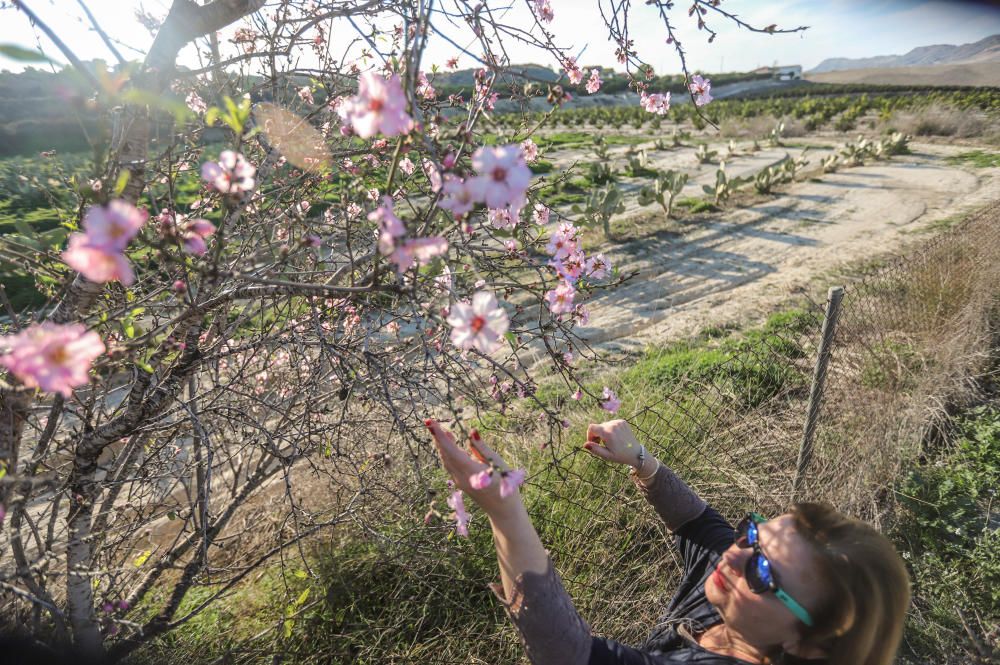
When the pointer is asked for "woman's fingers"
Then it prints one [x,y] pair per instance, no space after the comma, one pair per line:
[456,461]
[599,451]
[597,432]
[484,453]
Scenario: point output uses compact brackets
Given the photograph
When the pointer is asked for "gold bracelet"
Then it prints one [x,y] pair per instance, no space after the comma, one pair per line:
[641,479]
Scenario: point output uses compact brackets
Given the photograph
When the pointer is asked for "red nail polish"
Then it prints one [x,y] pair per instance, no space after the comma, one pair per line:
[475,435]
[428,422]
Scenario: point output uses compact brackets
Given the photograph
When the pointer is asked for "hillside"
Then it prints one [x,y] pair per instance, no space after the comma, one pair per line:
[985,50]
[971,74]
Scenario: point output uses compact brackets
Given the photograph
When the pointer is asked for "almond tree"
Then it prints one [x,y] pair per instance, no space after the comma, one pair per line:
[275,279]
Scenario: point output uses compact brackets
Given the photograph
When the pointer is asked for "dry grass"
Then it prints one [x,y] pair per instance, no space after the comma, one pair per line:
[759,127]
[937,120]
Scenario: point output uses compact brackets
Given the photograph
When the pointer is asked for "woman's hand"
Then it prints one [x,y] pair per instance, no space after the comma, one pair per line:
[613,441]
[484,476]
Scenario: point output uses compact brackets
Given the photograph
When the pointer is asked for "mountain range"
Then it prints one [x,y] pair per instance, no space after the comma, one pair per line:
[984,50]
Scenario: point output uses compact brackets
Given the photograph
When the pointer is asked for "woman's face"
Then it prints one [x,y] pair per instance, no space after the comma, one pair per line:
[762,619]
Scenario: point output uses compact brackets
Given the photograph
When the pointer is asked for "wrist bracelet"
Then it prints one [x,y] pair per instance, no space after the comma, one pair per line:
[650,475]
[642,455]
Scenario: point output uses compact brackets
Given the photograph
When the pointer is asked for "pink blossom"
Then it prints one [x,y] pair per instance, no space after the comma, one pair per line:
[571,267]
[701,89]
[390,226]
[97,263]
[578,395]
[419,251]
[451,63]
[457,503]
[511,246]
[503,176]
[424,87]
[457,197]
[481,480]
[560,299]
[193,234]
[598,267]
[658,103]
[561,243]
[407,166]
[573,71]
[480,324]
[543,10]
[582,314]
[568,357]
[594,82]
[51,356]
[306,95]
[540,214]
[530,150]
[433,174]
[611,403]
[379,106]
[502,219]
[510,481]
[112,227]
[195,103]
[232,174]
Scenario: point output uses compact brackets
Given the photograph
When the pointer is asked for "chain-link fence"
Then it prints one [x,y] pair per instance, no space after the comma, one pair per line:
[728,412]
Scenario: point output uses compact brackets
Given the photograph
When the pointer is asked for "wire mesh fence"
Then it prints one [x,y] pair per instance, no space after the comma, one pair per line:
[727,412]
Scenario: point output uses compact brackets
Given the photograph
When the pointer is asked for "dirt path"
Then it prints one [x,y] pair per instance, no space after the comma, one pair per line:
[736,265]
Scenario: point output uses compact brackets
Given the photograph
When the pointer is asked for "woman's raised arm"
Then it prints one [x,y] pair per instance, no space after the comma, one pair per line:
[671,498]
[551,629]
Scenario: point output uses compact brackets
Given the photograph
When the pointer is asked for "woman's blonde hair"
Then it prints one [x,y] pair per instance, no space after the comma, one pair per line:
[867,589]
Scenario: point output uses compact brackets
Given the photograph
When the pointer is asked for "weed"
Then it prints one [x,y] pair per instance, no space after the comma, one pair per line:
[978,158]
[946,537]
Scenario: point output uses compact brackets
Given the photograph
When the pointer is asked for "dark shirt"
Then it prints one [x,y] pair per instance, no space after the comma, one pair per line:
[701,541]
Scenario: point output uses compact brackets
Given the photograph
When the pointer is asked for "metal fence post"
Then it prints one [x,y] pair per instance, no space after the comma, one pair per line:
[835,295]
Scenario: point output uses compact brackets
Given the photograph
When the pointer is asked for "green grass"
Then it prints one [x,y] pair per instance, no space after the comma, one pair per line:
[559,140]
[541,166]
[696,205]
[978,158]
[951,547]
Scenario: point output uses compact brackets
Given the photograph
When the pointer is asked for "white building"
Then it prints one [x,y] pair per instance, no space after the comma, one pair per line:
[787,72]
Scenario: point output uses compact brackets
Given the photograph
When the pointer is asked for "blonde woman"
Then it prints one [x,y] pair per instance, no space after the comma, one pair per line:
[810,584]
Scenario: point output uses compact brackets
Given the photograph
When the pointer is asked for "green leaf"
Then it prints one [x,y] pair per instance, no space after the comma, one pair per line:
[301,574]
[122,181]
[146,367]
[303,597]
[211,115]
[142,558]
[21,54]
[24,228]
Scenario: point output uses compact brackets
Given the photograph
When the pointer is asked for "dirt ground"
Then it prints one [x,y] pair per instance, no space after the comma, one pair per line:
[736,265]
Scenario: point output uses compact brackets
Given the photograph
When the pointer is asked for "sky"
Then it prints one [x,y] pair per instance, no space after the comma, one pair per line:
[837,28]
